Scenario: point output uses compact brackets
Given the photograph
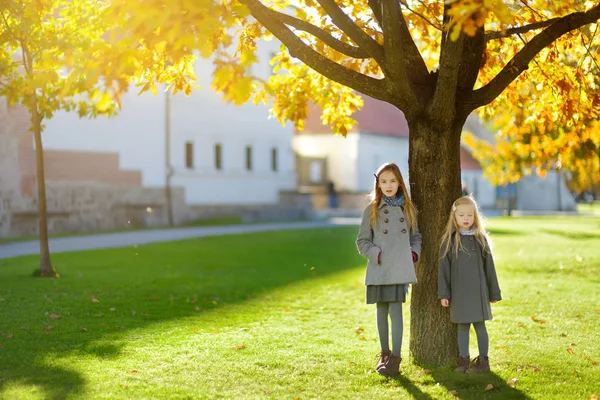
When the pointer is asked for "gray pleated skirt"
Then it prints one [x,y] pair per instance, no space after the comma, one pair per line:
[386,293]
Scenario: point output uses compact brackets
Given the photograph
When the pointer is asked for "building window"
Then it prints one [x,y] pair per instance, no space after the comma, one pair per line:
[218,156]
[189,155]
[249,158]
[274,159]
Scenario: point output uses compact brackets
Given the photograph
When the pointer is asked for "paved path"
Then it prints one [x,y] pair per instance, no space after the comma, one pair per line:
[125,239]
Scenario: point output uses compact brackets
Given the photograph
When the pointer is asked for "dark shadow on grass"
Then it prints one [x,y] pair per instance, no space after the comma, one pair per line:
[103,294]
[573,235]
[473,386]
[504,232]
[410,387]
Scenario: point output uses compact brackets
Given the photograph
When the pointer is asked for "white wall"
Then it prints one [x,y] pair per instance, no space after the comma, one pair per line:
[138,135]
[341,154]
[375,150]
[482,190]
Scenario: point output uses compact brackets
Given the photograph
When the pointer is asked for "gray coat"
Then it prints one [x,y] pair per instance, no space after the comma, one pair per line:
[395,240]
[469,282]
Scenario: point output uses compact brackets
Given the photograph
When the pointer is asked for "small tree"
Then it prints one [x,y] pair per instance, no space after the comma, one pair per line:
[45,67]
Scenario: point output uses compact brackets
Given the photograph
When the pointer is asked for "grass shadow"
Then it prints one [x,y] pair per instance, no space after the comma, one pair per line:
[575,235]
[504,232]
[410,387]
[104,294]
[475,386]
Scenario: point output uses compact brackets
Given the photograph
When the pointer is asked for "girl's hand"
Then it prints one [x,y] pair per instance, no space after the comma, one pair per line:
[494,301]
[445,302]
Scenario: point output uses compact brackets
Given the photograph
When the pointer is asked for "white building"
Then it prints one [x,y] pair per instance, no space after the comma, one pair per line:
[221,154]
[381,135]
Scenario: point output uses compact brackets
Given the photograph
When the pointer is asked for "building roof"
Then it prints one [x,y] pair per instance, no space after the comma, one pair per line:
[376,117]
[380,118]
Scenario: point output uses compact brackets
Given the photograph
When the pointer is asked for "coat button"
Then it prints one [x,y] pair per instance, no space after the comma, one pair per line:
[385,231]
[403,230]
[385,211]
[401,219]
[386,220]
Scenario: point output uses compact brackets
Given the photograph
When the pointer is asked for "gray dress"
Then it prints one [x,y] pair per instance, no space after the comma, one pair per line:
[469,281]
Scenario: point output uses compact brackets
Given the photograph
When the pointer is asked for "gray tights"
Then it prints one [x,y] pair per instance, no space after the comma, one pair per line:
[482,338]
[394,310]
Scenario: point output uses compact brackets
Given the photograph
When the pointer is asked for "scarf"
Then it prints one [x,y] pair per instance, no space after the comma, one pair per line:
[468,232]
[395,201]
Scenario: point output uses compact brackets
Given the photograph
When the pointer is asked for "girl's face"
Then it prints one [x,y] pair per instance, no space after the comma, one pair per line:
[388,183]
[465,216]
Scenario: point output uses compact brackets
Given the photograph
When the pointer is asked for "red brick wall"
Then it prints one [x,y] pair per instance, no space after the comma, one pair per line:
[64,165]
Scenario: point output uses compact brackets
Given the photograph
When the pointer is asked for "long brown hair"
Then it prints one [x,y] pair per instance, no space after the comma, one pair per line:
[452,228]
[409,209]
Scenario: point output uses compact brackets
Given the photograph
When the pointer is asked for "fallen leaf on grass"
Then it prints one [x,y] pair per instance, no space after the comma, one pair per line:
[94,299]
[1,299]
[197,308]
[489,386]
[239,347]
[155,298]
[500,346]
[540,321]
[48,299]
[594,397]
[54,316]
[287,309]
[133,371]
[426,371]
[113,309]
[536,369]
[84,329]
[358,330]
[49,327]
[512,381]
[570,350]
[453,392]
[9,336]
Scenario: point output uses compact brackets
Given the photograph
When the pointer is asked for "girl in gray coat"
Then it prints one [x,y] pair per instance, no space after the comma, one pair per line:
[389,238]
[467,280]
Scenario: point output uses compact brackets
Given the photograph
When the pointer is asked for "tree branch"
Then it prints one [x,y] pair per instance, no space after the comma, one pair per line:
[402,55]
[443,103]
[492,35]
[376,88]
[392,46]
[520,61]
[345,23]
[335,44]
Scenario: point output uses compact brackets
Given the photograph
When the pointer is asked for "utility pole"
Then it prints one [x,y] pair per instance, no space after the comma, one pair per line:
[168,168]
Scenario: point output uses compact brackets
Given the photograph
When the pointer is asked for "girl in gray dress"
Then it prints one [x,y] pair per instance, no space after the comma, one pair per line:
[389,238]
[467,281]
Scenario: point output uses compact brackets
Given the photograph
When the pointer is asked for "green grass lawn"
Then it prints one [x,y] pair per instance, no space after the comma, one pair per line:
[281,315]
[589,208]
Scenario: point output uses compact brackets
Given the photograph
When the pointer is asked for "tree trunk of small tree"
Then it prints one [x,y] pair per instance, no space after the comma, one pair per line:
[46,268]
[434,167]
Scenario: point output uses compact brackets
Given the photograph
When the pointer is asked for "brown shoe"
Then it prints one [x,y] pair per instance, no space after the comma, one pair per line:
[383,359]
[392,367]
[482,364]
[462,364]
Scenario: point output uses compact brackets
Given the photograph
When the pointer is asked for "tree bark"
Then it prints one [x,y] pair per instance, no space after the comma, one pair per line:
[434,167]
[46,268]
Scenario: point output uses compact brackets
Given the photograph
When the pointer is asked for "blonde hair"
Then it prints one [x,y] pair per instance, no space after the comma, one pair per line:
[410,212]
[452,228]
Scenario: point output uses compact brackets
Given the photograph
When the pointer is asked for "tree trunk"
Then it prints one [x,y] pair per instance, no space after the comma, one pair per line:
[46,268]
[434,167]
